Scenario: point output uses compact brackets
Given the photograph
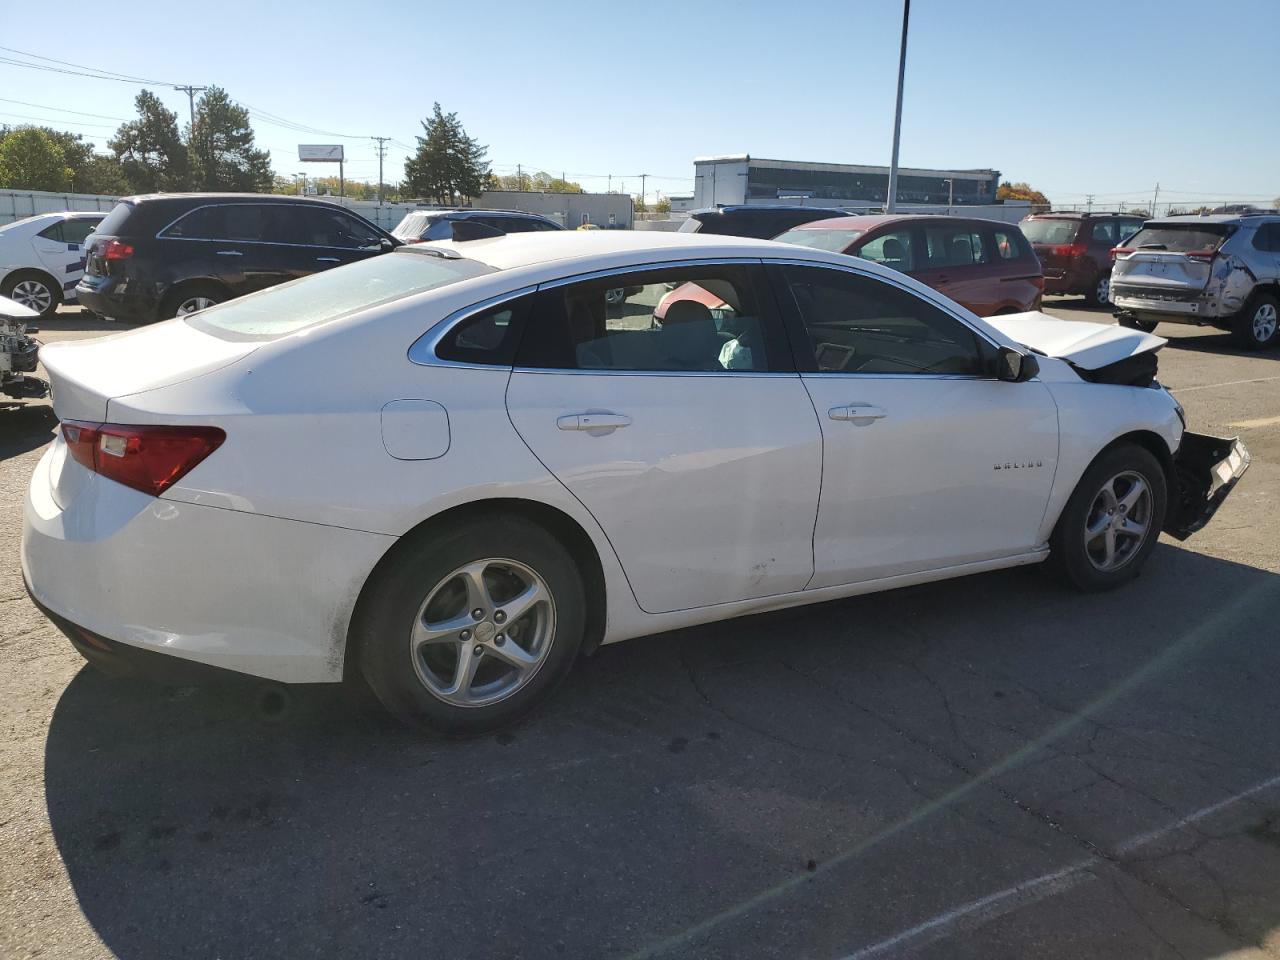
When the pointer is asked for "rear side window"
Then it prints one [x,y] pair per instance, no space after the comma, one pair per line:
[1008,244]
[489,337]
[77,231]
[55,231]
[1104,231]
[1267,237]
[1050,231]
[1181,238]
[204,223]
[959,246]
[326,296]
[692,225]
[114,221]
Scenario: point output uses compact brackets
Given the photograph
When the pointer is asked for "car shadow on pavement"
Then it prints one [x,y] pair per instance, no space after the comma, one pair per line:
[806,782]
[1217,342]
[24,426]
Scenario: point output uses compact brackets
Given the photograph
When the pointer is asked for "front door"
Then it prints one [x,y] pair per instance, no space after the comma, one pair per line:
[689,438]
[929,462]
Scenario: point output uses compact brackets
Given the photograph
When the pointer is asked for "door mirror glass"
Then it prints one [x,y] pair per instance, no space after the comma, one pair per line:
[1015,367]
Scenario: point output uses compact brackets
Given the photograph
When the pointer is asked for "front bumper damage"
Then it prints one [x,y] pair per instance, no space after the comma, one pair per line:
[1206,470]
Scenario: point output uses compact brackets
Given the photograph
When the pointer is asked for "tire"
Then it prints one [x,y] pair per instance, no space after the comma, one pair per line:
[33,289]
[426,591]
[1134,323]
[1258,325]
[1081,558]
[1099,292]
[615,296]
[183,299]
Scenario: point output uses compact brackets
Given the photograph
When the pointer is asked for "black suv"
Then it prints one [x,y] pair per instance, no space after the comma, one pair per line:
[161,256]
[761,221]
[421,225]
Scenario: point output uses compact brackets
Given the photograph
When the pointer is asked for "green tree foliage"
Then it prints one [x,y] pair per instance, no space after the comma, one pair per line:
[540,182]
[31,159]
[221,147]
[449,167]
[150,151]
[663,205]
[1019,191]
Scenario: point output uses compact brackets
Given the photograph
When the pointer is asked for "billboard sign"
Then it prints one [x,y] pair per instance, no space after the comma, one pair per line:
[320,153]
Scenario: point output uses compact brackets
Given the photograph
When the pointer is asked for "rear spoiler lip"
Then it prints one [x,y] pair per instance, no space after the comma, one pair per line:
[1205,471]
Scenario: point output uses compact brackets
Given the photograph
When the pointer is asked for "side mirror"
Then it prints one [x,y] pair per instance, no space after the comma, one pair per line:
[386,244]
[1015,367]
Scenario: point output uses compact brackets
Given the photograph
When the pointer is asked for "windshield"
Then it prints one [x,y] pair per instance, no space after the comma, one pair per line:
[326,296]
[1179,238]
[837,241]
[1050,231]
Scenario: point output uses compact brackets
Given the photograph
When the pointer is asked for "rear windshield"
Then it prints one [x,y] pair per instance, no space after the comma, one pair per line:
[692,225]
[1050,231]
[836,241]
[114,221]
[413,226]
[1178,238]
[327,296]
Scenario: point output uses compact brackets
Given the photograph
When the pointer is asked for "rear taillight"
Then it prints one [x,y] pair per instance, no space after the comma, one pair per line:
[147,458]
[117,250]
[1120,251]
[1201,256]
[1069,250]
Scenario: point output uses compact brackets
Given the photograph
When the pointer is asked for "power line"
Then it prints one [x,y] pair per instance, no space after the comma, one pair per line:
[108,74]
[45,106]
[64,123]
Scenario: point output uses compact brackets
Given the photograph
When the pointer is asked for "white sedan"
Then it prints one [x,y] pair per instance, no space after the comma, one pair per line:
[42,258]
[452,469]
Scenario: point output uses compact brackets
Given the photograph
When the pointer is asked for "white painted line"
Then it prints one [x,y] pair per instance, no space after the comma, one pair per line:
[1228,383]
[1047,885]
[1253,424]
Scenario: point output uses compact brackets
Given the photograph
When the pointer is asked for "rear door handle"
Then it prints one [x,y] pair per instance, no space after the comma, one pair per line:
[230,253]
[328,260]
[592,421]
[857,411]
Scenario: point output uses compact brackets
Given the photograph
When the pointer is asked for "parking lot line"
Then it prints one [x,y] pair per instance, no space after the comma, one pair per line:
[1225,383]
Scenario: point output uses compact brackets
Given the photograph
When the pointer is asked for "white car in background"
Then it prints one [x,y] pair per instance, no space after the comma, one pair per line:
[453,468]
[42,258]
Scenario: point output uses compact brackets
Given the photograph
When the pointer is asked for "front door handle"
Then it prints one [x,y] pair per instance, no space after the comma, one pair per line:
[593,421]
[328,260]
[857,411]
[230,253]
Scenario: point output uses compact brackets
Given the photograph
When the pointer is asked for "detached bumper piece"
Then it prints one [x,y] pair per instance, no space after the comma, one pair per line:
[1207,469]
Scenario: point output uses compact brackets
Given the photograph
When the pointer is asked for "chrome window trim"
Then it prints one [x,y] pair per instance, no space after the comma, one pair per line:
[423,350]
[647,267]
[262,243]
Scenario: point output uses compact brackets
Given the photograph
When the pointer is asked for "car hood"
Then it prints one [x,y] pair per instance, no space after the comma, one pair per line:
[1089,346]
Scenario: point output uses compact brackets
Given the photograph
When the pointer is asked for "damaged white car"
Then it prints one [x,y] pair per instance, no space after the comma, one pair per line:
[450,470]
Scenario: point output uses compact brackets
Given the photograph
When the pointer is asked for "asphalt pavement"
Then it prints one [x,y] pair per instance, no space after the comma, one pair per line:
[993,767]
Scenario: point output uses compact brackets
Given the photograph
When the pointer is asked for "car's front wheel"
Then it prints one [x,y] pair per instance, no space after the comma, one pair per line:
[1258,326]
[1112,521]
[468,627]
[1099,294]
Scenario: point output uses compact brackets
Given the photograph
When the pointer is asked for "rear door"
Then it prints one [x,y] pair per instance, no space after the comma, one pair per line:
[1015,280]
[60,250]
[697,450]
[956,263]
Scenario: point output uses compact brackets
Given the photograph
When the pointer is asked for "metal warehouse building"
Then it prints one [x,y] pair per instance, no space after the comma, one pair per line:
[747,179]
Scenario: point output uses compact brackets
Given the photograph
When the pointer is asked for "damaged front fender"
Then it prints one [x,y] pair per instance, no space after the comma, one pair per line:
[1206,470]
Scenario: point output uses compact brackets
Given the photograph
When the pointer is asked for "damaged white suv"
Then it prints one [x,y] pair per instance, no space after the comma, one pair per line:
[452,469]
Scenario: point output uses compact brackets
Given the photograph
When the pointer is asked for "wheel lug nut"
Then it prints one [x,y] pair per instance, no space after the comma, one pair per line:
[500,639]
[499,617]
[477,614]
[478,650]
[465,635]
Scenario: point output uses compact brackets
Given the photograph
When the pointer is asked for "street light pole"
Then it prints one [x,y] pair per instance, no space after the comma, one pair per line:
[951,194]
[892,205]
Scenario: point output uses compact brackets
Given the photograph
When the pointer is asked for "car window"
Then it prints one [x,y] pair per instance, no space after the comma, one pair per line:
[1127,228]
[203,223]
[488,337]
[1267,237]
[247,221]
[857,324]
[1049,231]
[77,231]
[1008,244]
[705,319]
[1104,231]
[837,241]
[1181,237]
[895,250]
[953,246]
[55,231]
[321,227]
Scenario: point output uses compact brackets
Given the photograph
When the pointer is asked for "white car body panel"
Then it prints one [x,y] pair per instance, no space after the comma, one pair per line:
[22,248]
[1087,345]
[254,559]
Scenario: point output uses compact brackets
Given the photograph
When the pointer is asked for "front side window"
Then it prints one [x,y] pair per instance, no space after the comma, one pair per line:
[953,246]
[894,250]
[836,241]
[320,227]
[686,319]
[862,325]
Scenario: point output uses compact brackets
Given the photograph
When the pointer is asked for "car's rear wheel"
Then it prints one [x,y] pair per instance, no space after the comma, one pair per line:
[1146,326]
[468,627]
[1112,521]
[192,298]
[1099,294]
[1258,326]
[33,290]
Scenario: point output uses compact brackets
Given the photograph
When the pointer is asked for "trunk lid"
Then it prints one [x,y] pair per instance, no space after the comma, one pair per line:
[86,374]
[1089,346]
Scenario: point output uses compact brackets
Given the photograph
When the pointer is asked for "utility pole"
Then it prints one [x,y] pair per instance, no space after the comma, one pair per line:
[382,152]
[303,188]
[951,194]
[643,177]
[609,188]
[1154,198]
[892,205]
[519,177]
[191,92]
[1088,203]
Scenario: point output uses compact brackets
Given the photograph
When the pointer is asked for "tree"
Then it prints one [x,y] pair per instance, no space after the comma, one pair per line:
[639,206]
[150,151]
[449,167]
[1019,191]
[221,147]
[1140,212]
[540,182]
[30,159]
[663,205]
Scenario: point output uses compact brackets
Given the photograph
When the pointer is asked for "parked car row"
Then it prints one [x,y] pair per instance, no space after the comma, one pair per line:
[42,258]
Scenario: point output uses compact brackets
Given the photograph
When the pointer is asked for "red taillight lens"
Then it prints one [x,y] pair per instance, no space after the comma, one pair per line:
[146,458]
[1201,256]
[1120,251]
[117,250]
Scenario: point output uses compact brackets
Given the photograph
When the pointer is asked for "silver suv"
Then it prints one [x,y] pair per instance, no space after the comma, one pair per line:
[1221,271]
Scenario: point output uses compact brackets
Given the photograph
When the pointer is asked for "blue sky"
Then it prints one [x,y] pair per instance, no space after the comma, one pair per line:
[1075,97]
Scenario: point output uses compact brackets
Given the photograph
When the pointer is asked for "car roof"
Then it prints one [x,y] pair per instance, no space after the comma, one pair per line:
[868,221]
[231,198]
[1213,218]
[1080,215]
[758,208]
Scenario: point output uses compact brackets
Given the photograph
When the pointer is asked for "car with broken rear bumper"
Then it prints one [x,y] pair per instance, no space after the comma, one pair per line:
[536,469]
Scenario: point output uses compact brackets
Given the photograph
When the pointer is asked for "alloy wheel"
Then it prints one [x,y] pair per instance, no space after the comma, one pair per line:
[1119,521]
[1103,290]
[483,632]
[193,304]
[33,294]
[1264,322]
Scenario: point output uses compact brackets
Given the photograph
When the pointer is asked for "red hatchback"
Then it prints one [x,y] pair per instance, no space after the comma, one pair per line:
[985,265]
